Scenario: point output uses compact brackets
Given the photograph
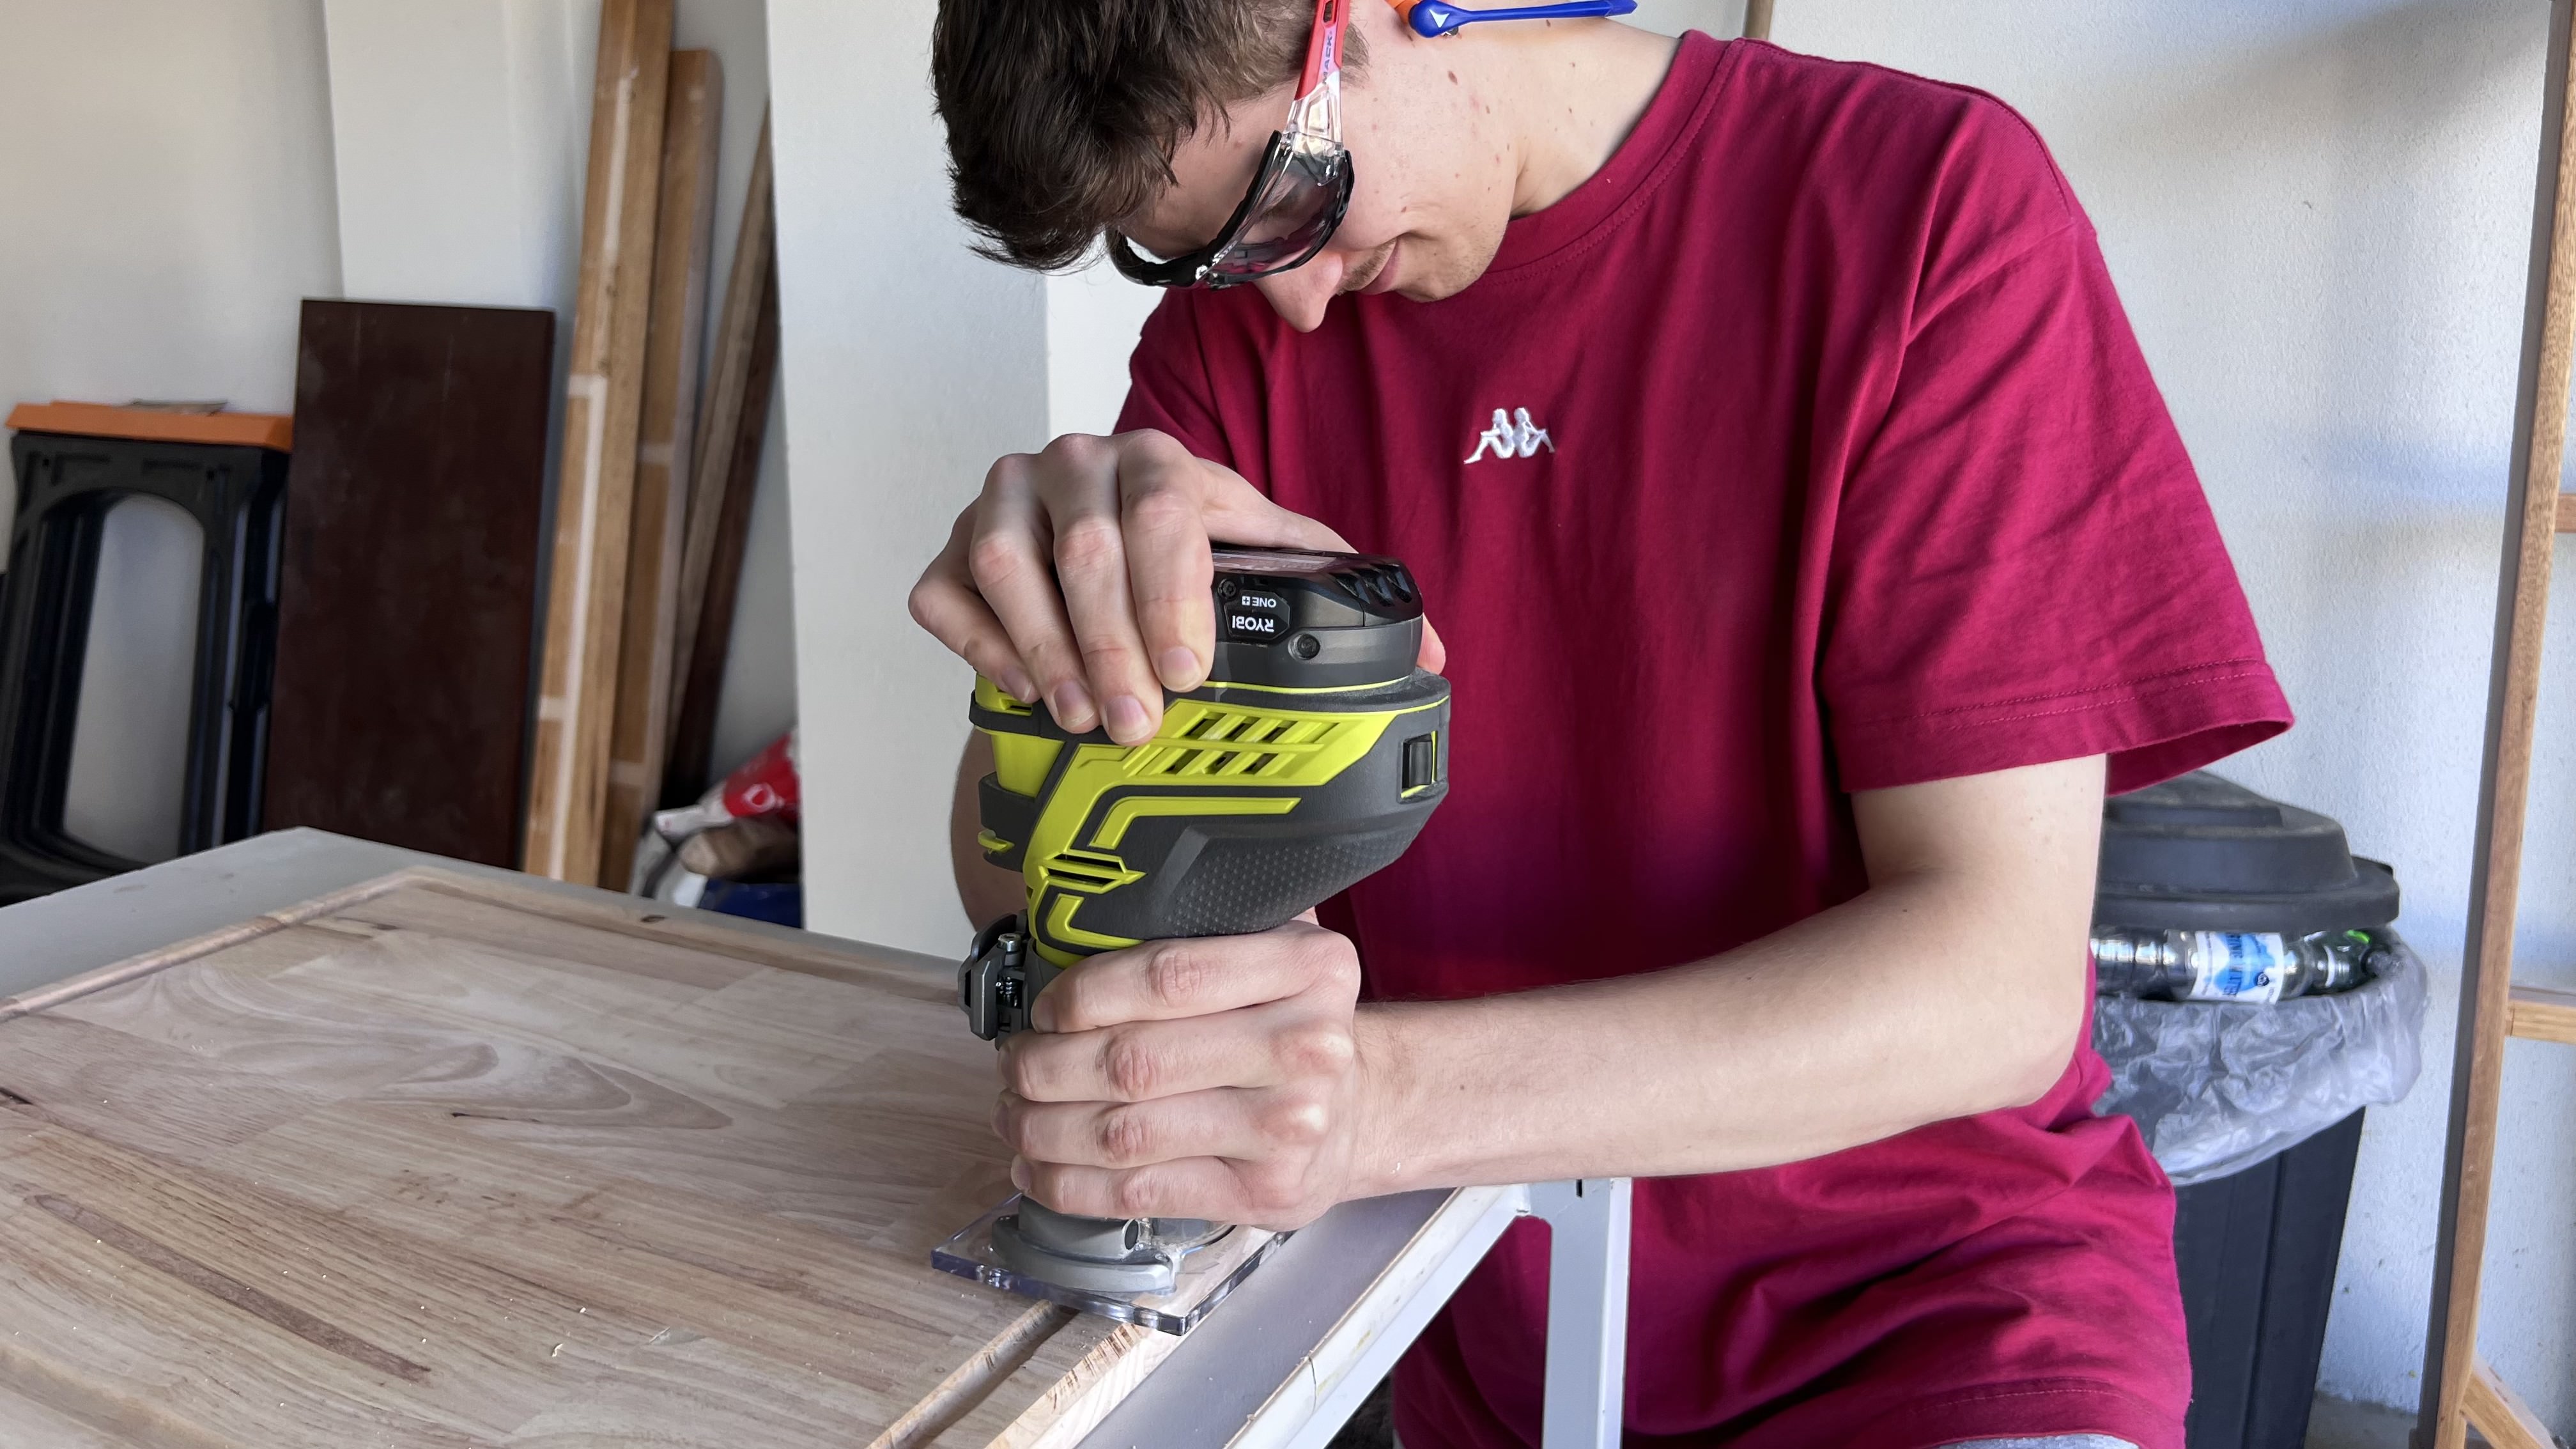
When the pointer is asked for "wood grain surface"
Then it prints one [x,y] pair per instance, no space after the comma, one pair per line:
[438,1162]
[603,400]
[639,737]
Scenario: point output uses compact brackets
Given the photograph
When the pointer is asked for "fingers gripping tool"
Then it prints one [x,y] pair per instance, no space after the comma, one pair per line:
[1308,760]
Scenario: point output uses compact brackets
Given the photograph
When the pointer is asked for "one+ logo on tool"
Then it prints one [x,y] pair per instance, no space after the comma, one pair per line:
[1513,435]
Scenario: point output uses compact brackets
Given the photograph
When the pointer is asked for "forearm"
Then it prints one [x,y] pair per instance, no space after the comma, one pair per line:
[1938,993]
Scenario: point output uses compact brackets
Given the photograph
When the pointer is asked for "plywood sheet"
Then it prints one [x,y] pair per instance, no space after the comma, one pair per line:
[447,1162]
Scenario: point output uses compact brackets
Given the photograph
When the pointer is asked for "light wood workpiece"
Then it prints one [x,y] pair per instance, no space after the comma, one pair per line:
[306,1141]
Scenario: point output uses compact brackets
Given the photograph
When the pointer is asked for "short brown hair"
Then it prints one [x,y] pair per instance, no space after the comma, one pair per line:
[1063,114]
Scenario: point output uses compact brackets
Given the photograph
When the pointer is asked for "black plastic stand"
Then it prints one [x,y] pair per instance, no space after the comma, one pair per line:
[66,485]
[2257,1254]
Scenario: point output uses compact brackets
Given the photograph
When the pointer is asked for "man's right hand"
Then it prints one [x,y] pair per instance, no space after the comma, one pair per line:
[1081,575]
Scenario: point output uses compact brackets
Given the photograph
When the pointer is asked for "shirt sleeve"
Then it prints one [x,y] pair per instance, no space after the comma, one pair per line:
[2023,567]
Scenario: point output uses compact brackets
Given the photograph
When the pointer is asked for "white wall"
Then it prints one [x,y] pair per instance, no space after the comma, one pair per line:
[167,180]
[167,190]
[909,365]
[462,134]
[2319,212]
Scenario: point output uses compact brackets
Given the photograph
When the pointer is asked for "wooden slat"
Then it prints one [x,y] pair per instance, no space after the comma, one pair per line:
[2540,440]
[2540,1014]
[603,399]
[442,1161]
[736,418]
[685,237]
[2499,1413]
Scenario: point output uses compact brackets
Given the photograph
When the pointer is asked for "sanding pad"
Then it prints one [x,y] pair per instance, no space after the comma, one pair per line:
[1205,1276]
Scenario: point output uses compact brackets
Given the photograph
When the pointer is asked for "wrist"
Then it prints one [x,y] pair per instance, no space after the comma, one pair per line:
[1382,1155]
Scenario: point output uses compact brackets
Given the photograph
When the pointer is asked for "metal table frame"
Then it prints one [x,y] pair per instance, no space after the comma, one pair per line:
[1281,1365]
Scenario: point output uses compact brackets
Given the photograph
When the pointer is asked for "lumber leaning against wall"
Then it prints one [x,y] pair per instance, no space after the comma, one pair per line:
[640,738]
[740,374]
[586,591]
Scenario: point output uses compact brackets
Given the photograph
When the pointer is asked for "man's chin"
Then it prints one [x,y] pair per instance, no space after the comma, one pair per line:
[1423,274]
[1375,272]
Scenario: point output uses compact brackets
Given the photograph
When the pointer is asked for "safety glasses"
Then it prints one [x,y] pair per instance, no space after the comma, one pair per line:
[1297,197]
[1303,188]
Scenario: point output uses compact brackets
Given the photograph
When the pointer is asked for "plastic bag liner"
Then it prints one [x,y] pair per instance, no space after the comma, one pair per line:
[2218,1088]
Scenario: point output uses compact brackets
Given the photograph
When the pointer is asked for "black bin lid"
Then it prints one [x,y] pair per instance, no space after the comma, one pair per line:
[2206,854]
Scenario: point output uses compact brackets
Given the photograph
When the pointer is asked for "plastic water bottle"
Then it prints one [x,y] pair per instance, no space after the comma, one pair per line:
[2257,967]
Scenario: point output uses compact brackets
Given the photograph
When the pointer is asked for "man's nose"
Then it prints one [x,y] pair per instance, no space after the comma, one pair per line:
[1299,297]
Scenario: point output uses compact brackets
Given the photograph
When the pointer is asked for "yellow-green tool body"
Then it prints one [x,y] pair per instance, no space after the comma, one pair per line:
[1310,759]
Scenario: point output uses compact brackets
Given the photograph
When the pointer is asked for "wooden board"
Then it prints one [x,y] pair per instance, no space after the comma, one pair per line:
[736,418]
[2499,1414]
[2513,707]
[446,1162]
[639,736]
[409,590]
[603,398]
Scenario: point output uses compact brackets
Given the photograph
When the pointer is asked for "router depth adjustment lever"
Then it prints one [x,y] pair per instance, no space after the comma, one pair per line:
[1308,760]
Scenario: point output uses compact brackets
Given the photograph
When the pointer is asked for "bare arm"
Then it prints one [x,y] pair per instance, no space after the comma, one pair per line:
[1233,1078]
[989,892]
[1953,985]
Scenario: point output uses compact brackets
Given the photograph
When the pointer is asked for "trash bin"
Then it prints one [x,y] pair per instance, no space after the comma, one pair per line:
[2272,1005]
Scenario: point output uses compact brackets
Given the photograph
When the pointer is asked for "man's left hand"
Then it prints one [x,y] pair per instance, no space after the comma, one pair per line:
[1216,1078]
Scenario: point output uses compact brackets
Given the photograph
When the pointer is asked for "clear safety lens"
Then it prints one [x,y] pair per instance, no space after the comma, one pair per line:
[1296,214]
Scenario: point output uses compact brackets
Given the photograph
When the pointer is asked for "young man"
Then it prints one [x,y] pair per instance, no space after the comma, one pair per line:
[1811,549]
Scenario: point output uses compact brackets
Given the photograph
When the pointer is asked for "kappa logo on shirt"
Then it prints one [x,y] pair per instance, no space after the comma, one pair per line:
[1513,435]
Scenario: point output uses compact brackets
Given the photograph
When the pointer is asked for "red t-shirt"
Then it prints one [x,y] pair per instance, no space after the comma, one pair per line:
[1804,449]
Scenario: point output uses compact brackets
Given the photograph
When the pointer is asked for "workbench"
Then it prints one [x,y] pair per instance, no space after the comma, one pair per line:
[1281,1363]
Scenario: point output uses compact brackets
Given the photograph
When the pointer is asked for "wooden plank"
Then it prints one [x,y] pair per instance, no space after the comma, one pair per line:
[2499,1413]
[639,739]
[739,379]
[400,707]
[449,1162]
[2540,1014]
[603,399]
[2540,428]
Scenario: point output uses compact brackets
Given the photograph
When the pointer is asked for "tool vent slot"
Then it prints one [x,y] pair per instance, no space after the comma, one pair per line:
[1079,868]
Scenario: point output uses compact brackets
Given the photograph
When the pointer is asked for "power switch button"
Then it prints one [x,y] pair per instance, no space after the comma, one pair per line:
[1421,762]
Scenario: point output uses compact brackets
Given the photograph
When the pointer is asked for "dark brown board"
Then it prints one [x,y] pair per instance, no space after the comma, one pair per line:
[408,602]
